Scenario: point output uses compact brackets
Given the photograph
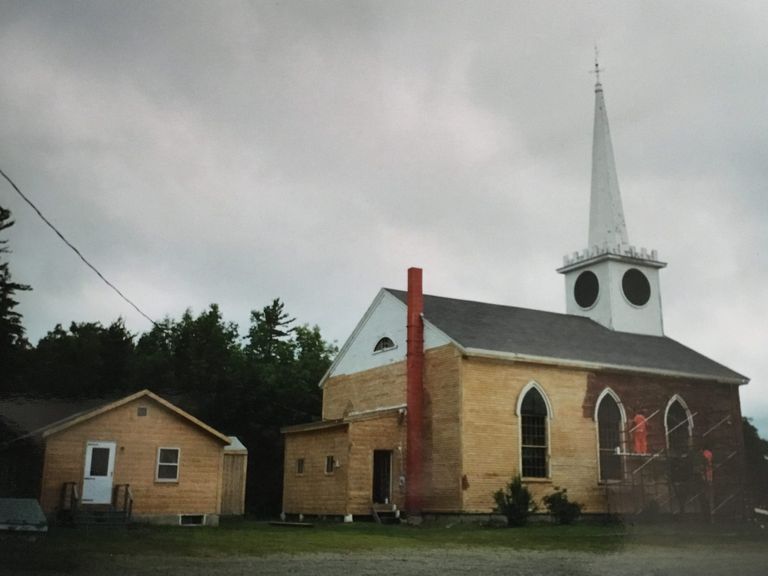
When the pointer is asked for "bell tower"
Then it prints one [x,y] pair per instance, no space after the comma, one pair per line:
[611,281]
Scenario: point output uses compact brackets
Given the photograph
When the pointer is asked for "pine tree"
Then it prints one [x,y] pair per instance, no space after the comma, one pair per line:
[12,334]
[11,328]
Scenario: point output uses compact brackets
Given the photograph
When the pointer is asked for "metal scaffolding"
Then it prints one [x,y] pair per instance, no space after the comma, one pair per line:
[694,481]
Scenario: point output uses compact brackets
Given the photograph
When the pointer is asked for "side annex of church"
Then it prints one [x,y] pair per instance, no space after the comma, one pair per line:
[435,403]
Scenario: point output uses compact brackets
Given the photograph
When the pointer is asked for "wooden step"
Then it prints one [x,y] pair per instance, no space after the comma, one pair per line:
[385,513]
[101,516]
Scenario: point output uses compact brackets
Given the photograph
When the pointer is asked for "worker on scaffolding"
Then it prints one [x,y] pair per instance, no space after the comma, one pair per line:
[707,476]
[640,434]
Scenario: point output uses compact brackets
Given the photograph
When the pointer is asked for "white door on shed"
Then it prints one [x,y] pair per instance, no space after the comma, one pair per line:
[99,468]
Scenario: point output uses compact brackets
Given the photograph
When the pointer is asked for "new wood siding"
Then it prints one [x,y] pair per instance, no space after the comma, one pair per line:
[314,491]
[442,430]
[233,484]
[492,432]
[198,490]
[385,432]
[367,390]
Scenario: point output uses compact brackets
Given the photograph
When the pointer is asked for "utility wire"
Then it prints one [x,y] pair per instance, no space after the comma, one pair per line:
[76,251]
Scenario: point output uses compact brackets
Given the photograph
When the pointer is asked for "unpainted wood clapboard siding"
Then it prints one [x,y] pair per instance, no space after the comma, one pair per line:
[138,438]
[384,432]
[442,430]
[367,390]
[314,491]
[492,432]
[233,484]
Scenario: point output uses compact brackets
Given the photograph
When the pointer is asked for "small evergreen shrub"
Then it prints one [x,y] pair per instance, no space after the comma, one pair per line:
[515,502]
[561,508]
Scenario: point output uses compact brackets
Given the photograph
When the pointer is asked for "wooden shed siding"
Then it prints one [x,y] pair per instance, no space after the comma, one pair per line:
[233,484]
[314,491]
[138,439]
[367,390]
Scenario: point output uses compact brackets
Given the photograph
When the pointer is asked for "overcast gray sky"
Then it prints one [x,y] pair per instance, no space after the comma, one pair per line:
[235,152]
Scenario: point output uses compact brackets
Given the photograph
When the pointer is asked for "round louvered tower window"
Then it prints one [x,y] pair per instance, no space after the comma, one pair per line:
[636,287]
[586,289]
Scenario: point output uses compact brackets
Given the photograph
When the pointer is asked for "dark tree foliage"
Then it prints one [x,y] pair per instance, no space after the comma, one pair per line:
[756,473]
[154,358]
[12,334]
[283,365]
[87,360]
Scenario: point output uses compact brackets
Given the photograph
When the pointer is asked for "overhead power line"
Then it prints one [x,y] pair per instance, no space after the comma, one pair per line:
[75,250]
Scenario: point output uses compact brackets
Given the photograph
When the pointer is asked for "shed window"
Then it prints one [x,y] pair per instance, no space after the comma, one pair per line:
[609,423]
[384,344]
[329,464]
[142,411]
[167,464]
[300,466]
[533,414]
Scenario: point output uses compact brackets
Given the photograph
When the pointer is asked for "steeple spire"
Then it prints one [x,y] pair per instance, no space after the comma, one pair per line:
[606,215]
[611,282]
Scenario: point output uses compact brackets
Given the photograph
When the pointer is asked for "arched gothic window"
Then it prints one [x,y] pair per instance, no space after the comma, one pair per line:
[678,426]
[383,344]
[610,422]
[533,434]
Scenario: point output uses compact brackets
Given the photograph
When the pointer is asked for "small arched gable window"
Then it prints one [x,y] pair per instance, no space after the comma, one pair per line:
[534,442]
[383,344]
[679,424]
[610,424]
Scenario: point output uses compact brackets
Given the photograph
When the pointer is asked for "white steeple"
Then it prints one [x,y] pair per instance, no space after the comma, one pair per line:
[606,215]
[611,282]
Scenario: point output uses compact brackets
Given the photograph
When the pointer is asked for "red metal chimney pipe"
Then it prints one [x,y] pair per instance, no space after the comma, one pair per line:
[415,393]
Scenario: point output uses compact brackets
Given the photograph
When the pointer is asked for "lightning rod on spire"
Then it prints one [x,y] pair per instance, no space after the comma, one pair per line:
[597,69]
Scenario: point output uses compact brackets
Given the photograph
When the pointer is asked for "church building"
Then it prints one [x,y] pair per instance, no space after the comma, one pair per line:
[435,403]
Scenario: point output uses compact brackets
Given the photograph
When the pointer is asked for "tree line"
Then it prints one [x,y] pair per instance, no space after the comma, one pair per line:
[247,386]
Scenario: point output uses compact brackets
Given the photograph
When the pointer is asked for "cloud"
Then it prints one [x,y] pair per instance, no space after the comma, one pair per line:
[235,153]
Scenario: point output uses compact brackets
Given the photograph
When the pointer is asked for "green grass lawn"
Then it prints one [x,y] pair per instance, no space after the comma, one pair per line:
[63,546]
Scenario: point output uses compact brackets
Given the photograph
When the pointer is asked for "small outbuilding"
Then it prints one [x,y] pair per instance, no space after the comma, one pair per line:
[139,457]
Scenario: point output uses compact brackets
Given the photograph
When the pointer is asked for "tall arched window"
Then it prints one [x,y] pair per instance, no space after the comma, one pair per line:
[610,422]
[678,425]
[533,434]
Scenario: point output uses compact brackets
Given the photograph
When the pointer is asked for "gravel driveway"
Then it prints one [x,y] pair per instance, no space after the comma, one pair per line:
[639,561]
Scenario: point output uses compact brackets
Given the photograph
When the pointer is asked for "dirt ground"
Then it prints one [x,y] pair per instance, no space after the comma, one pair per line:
[645,561]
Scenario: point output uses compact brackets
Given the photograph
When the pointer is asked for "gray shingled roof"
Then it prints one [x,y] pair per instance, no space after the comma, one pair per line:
[511,330]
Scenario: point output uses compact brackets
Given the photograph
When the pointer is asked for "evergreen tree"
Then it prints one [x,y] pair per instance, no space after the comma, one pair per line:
[87,360]
[756,464]
[12,334]
[270,328]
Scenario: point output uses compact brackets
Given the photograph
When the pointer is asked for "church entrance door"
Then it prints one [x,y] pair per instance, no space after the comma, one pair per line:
[382,476]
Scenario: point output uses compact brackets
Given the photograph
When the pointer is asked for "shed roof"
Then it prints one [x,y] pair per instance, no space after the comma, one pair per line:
[310,426]
[535,335]
[42,418]
[235,446]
